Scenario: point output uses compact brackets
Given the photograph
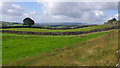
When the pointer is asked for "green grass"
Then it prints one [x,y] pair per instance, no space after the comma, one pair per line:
[0,48]
[9,24]
[16,47]
[99,51]
[16,25]
[48,30]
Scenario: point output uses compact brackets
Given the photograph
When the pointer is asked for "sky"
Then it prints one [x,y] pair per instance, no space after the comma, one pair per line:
[56,12]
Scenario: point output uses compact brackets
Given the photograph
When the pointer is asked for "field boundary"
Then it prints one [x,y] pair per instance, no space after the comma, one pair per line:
[48,27]
[59,33]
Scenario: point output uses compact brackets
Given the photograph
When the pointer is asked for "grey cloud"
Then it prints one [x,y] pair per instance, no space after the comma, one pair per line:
[76,9]
[82,11]
[11,12]
[10,9]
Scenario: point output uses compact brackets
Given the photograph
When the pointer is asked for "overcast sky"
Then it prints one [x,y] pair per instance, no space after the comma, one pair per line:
[44,12]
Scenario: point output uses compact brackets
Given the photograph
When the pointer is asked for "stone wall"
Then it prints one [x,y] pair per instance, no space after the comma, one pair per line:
[58,33]
[46,27]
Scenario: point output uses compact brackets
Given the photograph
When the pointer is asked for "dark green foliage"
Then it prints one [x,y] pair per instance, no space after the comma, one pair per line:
[28,21]
[111,21]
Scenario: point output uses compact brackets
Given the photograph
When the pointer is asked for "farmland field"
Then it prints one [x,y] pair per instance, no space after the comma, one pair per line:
[38,50]
[48,33]
[48,30]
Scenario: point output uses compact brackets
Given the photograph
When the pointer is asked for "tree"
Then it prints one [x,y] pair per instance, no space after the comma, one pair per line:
[28,21]
[112,20]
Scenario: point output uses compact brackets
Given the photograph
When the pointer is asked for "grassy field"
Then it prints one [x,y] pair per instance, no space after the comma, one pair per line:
[48,30]
[9,24]
[60,50]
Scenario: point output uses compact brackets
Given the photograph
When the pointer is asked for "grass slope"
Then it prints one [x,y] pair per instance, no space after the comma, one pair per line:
[95,49]
[48,30]
[99,51]
[16,47]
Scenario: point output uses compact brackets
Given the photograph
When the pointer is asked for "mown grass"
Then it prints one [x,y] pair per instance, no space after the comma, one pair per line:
[16,47]
[48,30]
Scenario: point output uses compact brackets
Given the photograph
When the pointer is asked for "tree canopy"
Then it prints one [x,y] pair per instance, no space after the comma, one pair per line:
[111,21]
[28,21]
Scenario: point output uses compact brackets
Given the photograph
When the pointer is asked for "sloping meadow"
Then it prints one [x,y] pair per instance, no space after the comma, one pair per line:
[50,50]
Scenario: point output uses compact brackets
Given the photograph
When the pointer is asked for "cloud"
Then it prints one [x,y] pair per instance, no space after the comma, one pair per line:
[76,8]
[112,16]
[11,12]
[59,0]
[98,13]
[11,9]
[116,16]
[33,12]
[77,0]
[85,12]
[26,14]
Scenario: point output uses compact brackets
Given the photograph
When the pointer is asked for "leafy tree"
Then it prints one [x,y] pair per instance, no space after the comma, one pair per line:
[28,21]
[111,21]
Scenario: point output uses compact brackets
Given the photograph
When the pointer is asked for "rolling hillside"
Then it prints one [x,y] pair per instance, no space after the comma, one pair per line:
[60,50]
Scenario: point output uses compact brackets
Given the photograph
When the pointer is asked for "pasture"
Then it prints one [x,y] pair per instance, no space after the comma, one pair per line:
[48,30]
[43,50]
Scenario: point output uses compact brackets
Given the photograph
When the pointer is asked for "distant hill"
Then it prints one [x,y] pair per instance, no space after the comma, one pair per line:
[4,23]
[60,23]
[52,25]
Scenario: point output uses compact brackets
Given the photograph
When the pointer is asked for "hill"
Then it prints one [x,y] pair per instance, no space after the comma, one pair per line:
[3,23]
[95,49]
